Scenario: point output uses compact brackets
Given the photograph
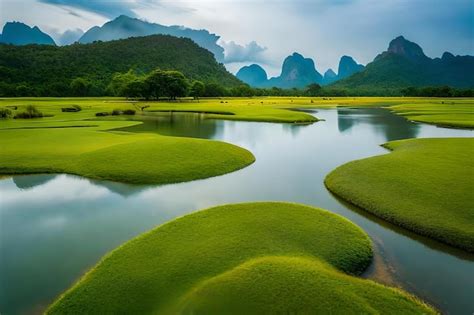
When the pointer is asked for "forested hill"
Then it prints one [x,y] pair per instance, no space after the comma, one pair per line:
[404,64]
[41,70]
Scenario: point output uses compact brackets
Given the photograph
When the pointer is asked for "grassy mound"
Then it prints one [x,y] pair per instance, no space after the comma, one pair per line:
[233,248]
[457,114]
[424,185]
[124,157]
[296,285]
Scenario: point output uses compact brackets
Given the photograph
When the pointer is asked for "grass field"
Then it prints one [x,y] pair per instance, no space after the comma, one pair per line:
[424,185]
[458,114]
[257,257]
[76,143]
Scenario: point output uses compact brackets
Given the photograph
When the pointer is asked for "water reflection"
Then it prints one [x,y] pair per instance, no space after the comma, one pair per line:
[394,127]
[30,181]
[53,231]
[178,125]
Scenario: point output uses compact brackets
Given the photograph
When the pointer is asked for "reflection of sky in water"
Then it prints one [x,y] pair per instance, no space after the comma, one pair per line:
[54,227]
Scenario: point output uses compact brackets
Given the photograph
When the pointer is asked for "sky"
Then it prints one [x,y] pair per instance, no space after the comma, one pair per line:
[266,31]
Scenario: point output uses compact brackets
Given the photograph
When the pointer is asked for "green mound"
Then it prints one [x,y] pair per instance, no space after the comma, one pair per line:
[182,264]
[424,185]
[123,157]
[296,285]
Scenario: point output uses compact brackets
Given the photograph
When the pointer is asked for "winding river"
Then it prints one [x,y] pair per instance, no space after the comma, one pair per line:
[55,227]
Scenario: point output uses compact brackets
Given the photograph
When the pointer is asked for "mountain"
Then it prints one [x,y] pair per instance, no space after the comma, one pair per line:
[405,64]
[329,77]
[254,75]
[124,27]
[17,33]
[49,70]
[347,67]
[297,72]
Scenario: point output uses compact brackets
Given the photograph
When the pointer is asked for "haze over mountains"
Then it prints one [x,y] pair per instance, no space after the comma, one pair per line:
[298,72]
[403,64]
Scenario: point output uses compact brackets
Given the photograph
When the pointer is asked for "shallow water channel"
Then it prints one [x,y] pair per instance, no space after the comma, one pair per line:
[55,227]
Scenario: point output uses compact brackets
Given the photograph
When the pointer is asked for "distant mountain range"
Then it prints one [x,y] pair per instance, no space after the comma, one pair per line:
[405,64]
[17,33]
[122,27]
[298,72]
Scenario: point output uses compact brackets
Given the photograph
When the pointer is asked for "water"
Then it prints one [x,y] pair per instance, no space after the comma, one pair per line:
[55,227]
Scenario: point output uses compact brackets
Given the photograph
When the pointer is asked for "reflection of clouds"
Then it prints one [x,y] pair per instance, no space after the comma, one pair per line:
[58,221]
[61,189]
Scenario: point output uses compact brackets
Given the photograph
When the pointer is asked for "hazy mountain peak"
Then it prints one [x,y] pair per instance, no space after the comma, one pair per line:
[410,50]
[347,67]
[447,56]
[253,75]
[18,33]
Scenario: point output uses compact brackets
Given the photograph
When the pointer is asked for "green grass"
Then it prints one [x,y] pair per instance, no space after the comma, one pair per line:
[261,257]
[83,144]
[124,157]
[442,113]
[424,185]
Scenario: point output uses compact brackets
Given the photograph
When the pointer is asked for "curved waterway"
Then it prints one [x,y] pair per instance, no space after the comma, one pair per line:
[53,228]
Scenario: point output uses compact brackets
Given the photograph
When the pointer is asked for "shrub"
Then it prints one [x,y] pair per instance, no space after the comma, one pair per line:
[129,112]
[30,112]
[5,113]
[72,109]
[102,114]
[116,112]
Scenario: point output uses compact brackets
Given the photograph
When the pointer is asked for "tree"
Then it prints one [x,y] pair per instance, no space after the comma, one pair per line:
[119,82]
[243,90]
[135,89]
[214,90]
[80,87]
[175,84]
[197,89]
[155,82]
[313,89]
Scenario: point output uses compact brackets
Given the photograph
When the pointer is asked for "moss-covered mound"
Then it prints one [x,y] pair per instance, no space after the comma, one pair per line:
[123,157]
[424,185]
[259,257]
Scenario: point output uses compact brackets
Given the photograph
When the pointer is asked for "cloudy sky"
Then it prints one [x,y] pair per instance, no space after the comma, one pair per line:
[266,31]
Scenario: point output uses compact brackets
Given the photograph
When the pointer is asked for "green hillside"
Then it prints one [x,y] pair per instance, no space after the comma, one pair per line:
[404,64]
[40,70]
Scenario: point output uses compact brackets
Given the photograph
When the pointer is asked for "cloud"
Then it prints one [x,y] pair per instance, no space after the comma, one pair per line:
[251,52]
[68,37]
[106,8]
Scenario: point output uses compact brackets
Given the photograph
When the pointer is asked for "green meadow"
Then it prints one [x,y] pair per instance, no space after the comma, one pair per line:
[424,185]
[83,144]
[249,258]
[459,114]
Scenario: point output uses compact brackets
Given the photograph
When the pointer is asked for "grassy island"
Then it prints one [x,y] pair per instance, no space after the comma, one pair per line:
[424,185]
[258,257]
